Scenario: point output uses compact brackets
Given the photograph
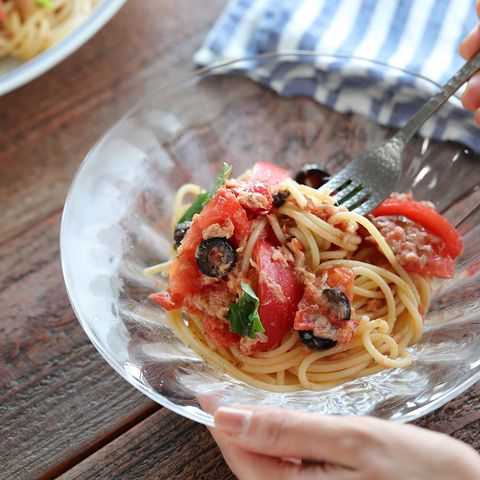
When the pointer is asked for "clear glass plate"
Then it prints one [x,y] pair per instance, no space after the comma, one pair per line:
[117,219]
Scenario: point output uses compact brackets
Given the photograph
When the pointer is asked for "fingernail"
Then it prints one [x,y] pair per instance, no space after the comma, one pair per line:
[233,421]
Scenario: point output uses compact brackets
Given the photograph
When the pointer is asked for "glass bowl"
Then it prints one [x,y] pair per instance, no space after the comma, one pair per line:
[117,221]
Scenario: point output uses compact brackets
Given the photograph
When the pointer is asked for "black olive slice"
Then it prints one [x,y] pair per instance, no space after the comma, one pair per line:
[280,198]
[313,175]
[215,257]
[180,232]
[315,343]
[337,303]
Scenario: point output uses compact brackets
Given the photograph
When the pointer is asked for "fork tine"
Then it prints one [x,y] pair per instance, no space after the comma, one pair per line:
[343,192]
[356,200]
[343,195]
[367,206]
[337,181]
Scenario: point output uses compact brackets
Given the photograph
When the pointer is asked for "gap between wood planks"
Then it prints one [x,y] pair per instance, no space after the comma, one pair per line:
[88,450]
[129,424]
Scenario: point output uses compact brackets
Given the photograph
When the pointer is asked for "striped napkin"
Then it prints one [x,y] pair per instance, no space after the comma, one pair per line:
[418,37]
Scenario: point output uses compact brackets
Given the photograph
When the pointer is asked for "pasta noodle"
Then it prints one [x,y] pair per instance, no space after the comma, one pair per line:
[27,27]
[388,301]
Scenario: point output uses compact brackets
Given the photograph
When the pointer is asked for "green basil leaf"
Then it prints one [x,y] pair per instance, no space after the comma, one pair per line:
[220,180]
[243,314]
[203,197]
[195,207]
[45,3]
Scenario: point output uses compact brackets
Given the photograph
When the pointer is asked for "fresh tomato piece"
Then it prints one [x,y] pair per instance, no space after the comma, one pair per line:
[439,265]
[219,332]
[184,274]
[343,279]
[328,320]
[426,216]
[168,300]
[279,292]
[307,312]
[258,199]
[254,193]
[268,174]
[253,197]
[209,300]
[311,304]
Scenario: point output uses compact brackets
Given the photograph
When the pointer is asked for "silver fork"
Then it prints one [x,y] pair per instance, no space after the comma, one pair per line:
[366,181]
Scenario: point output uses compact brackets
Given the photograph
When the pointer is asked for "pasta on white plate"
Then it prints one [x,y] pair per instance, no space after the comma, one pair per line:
[275,285]
[28,27]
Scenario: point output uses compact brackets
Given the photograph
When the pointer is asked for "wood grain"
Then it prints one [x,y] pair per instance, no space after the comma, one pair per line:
[470,434]
[454,417]
[59,400]
[164,446]
[58,397]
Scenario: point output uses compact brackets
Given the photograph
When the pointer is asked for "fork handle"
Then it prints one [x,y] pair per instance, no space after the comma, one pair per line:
[437,100]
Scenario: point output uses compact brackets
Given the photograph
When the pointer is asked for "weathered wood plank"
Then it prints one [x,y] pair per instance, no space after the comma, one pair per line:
[164,446]
[59,401]
[168,446]
[58,398]
[455,415]
[470,434]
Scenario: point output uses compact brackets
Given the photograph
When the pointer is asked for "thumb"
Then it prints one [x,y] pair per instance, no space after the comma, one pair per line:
[286,433]
[252,466]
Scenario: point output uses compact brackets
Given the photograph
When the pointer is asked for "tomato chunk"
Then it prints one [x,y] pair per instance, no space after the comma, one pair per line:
[423,241]
[439,265]
[184,274]
[168,300]
[426,216]
[279,292]
[268,174]
[343,279]
[253,197]
[219,332]
[314,312]
[311,303]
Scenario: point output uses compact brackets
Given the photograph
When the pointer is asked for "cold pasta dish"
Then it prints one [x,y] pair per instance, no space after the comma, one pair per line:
[27,27]
[274,284]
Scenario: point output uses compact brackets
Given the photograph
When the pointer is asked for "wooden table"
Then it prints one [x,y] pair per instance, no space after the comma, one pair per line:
[63,411]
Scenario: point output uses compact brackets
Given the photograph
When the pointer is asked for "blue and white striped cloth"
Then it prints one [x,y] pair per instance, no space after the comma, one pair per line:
[417,36]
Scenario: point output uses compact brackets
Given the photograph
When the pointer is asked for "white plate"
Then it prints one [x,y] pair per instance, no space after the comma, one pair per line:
[14,74]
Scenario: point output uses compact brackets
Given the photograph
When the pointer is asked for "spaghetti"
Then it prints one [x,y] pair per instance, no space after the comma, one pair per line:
[27,27]
[335,301]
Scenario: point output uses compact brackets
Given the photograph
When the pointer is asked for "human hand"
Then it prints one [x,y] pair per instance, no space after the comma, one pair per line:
[264,443]
[470,46]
